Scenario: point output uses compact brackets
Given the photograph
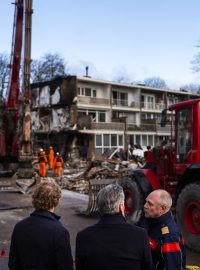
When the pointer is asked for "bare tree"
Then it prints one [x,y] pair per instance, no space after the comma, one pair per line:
[196,61]
[48,67]
[192,87]
[122,79]
[156,82]
[4,73]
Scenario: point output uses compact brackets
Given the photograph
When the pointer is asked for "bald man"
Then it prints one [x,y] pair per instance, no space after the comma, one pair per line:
[166,241]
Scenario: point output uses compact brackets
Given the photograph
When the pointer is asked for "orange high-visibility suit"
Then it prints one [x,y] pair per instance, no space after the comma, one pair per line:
[51,158]
[58,162]
[39,154]
[42,164]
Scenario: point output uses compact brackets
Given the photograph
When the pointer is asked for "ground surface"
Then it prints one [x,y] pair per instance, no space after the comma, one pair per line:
[15,206]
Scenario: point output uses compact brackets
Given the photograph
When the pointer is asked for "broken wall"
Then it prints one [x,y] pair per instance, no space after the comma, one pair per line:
[54,117]
[51,102]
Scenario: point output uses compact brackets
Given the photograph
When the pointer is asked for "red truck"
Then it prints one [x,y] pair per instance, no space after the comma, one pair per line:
[174,167]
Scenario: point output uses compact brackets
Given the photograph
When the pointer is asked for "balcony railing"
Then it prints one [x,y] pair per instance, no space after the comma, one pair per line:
[153,106]
[142,127]
[113,126]
[124,103]
[93,101]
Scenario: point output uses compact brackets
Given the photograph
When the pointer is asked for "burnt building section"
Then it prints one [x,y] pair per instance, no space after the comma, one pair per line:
[54,117]
[86,117]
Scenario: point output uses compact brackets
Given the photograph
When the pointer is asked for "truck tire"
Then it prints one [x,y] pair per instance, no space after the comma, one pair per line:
[133,199]
[188,215]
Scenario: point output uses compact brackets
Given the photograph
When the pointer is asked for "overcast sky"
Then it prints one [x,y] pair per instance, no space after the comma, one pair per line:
[133,38]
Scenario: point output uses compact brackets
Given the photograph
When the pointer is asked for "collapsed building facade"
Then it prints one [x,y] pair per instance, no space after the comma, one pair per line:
[85,117]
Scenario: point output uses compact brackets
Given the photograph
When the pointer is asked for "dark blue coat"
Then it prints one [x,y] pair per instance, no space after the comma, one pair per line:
[113,244]
[166,241]
[40,242]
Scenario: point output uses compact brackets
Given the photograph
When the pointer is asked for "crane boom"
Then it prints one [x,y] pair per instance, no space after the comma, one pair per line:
[15,124]
[13,88]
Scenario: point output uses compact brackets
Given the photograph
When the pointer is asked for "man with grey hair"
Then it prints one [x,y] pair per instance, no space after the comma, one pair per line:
[166,241]
[112,243]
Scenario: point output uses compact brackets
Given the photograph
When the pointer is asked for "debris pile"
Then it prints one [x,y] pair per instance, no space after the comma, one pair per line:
[112,165]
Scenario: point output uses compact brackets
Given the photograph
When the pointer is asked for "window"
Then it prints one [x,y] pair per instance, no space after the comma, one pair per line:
[148,101]
[184,134]
[119,98]
[97,116]
[105,142]
[142,140]
[172,99]
[88,92]
[98,140]
[102,117]
[113,140]
[94,93]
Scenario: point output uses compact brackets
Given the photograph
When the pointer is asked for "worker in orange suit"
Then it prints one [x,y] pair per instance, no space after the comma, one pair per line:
[39,154]
[58,162]
[42,164]
[51,158]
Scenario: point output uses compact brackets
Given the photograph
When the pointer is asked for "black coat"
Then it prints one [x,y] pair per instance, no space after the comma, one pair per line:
[166,241]
[40,242]
[113,244]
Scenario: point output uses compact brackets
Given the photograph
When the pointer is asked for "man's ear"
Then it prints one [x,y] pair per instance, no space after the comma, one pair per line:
[121,208]
[164,208]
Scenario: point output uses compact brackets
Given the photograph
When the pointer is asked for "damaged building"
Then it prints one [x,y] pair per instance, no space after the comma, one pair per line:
[84,116]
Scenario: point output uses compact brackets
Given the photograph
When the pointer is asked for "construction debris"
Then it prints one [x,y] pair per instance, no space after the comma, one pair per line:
[109,167]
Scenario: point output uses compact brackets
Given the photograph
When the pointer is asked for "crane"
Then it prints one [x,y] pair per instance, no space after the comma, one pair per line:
[15,130]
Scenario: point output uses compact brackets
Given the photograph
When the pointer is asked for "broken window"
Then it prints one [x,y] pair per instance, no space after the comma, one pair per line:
[97,116]
[104,142]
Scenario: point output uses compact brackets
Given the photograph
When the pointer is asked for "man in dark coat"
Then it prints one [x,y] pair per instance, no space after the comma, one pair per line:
[166,241]
[112,243]
[41,242]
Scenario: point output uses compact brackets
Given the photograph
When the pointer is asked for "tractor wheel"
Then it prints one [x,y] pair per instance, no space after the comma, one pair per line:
[133,199]
[188,215]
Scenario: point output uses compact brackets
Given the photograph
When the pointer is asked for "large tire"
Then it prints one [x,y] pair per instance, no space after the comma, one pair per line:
[188,215]
[133,199]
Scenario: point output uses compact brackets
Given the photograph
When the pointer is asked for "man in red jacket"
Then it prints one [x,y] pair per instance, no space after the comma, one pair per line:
[166,241]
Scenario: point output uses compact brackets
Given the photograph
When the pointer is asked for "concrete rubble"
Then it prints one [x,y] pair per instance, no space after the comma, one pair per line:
[77,174]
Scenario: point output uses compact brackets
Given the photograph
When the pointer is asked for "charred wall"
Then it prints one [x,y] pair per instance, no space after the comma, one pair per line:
[54,116]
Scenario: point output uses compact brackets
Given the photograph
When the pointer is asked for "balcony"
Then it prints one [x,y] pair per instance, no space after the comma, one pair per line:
[153,106]
[92,101]
[124,103]
[142,127]
[109,126]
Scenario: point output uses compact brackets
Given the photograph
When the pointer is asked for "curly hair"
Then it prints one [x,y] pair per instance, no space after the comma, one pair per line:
[46,195]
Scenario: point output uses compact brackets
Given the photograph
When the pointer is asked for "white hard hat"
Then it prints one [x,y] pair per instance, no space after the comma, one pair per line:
[41,149]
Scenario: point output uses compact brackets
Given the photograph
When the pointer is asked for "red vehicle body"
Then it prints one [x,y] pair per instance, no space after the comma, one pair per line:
[174,167]
[15,118]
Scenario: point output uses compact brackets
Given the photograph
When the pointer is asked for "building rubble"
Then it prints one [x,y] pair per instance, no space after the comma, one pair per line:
[77,174]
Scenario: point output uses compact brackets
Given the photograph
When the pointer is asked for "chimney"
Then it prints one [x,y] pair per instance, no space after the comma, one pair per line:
[86,71]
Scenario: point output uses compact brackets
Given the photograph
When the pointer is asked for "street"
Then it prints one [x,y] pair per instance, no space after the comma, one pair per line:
[14,206]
